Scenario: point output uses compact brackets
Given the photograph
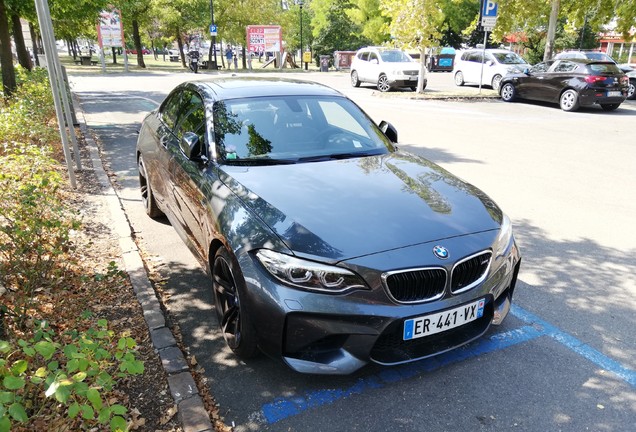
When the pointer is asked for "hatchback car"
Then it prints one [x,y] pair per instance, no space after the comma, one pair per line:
[386,68]
[327,246]
[571,83]
[497,63]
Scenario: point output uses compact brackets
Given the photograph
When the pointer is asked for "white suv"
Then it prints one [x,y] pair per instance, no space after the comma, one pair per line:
[387,68]
[497,64]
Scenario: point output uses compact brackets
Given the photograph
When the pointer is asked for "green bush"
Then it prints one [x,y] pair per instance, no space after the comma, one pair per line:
[35,224]
[73,372]
[29,115]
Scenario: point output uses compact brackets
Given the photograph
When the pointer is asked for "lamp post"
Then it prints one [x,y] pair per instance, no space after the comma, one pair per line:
[300,4]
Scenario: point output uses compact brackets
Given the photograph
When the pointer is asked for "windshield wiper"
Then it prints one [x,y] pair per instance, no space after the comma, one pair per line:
[259,161]
[338,156]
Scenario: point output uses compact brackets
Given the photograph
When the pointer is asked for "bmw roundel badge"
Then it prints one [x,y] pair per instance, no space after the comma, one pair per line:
[441,252]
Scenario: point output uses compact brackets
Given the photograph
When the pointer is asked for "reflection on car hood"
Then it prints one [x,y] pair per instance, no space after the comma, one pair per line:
[349,208]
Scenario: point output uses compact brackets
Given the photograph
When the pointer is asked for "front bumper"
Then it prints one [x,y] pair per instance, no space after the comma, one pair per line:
[399,81]
[338,334]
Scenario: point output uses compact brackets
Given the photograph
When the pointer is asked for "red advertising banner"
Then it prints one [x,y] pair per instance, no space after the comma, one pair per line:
[110,29]
[264,38]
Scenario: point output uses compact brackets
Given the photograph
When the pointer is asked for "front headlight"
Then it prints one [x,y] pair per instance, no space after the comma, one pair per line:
[505,236]
[308,274]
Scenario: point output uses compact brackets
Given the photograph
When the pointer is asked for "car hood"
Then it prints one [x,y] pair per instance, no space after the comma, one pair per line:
[343,209]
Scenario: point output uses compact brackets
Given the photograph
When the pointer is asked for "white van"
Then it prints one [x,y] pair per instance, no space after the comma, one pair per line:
[497,64]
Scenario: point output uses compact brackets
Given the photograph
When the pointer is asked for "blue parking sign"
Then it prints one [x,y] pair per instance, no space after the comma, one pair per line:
[489,8]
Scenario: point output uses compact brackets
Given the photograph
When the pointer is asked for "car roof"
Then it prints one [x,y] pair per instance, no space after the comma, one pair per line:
[231,87]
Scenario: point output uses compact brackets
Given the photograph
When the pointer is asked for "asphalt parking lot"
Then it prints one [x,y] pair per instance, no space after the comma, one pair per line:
[565,359]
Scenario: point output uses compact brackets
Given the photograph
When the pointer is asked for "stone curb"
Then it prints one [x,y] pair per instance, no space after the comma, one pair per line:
[192,412]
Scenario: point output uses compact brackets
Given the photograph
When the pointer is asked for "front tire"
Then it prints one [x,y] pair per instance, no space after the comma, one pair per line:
[569,100]
[496,82]
[459,78]
[610,107]
[383,84]
[355,81]
[229,290]
[147,196]
[508,92]
[631,89]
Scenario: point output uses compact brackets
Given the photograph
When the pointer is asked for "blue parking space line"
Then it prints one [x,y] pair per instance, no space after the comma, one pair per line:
[282,408]
[577,346]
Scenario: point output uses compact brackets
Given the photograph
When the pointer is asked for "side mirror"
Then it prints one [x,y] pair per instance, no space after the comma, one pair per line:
[191,146]
[489,63]
[374,61]
[526,71]
[389,131]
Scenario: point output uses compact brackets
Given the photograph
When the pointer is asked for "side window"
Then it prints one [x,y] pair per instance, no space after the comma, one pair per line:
[475,57]
[170,109]
[565,66]
[373,56]
[364,56]
[192,116]
[540,67]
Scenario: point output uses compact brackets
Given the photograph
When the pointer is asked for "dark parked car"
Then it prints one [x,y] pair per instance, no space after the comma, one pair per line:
[327,246]
[571,83]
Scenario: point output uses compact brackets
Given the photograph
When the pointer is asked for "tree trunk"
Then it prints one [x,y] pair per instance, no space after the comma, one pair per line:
[137,42]
[23,55]
[420,80]
[180,45]
[36,46]
[114,55]
[554,17]
[9,84]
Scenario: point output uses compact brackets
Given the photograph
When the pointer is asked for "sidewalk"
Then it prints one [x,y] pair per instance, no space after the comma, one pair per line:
[192,413]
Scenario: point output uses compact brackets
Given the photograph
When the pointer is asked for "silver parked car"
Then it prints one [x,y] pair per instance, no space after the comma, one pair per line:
[327,246]
[467,68]
[387,68]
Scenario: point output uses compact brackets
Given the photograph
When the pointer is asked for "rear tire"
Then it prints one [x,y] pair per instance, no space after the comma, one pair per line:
[147,196]
[569,100]
[508,92]
[459,78]
[610,107]
[229,291]
[355,81]
[496,82]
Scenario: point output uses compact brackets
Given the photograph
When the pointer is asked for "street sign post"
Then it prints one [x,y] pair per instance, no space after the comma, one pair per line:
[489,10]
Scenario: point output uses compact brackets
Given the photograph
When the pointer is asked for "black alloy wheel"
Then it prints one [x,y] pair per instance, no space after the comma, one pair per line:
[235,324]
[147,197]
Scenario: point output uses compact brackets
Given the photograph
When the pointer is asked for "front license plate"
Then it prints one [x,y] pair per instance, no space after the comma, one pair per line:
[438,322]
[413,78]
[614,94]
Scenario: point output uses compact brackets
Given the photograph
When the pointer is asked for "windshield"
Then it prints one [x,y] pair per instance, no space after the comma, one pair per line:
[395,56]
[509,58]
[598,56]
[294,129]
